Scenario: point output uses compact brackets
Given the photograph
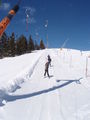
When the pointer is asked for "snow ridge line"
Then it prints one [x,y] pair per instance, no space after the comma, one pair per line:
[26,76]
[12,87]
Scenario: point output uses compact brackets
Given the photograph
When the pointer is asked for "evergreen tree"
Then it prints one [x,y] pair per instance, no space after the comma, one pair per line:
[3,45]
[42,46]
[21,45]
[11,45]
[36,46]
[5,48]
[8,46]
[31,46]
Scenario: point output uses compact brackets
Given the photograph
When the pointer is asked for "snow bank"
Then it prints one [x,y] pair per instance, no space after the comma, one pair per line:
[16,70]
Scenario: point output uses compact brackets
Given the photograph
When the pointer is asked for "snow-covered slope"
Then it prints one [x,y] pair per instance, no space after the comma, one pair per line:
[26,94]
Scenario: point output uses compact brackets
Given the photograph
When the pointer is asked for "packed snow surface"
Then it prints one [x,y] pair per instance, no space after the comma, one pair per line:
[25,94]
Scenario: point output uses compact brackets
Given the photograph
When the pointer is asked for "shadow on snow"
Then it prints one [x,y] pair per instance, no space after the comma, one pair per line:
[10,98]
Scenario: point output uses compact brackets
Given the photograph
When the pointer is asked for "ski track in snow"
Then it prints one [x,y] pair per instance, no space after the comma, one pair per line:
[54,98]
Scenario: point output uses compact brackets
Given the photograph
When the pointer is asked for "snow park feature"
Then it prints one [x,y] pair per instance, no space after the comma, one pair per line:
[25,94]
[88,66]
[5,22]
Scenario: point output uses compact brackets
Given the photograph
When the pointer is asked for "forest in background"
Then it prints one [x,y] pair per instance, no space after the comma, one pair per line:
[11,46]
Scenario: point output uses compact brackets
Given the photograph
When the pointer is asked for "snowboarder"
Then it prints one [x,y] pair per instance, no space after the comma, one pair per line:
[46,69]
[49,59]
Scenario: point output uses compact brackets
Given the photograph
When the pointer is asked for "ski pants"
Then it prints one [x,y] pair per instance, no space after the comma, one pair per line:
[46,72]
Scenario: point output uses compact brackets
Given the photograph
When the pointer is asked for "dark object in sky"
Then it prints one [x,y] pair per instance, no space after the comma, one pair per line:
[5,22]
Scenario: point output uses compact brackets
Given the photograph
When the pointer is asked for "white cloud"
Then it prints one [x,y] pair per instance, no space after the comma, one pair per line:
[5,6]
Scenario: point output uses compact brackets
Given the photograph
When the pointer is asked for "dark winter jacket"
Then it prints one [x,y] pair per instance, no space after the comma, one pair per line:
[46,65]
[49,59]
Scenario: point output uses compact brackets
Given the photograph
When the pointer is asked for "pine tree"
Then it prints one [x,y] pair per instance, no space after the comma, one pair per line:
[11,45]
[36,46]
[42,46]
[21,45]
[3,45]
[31,46]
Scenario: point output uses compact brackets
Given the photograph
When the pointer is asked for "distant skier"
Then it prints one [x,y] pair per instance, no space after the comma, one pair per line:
[46,69]
[49,59]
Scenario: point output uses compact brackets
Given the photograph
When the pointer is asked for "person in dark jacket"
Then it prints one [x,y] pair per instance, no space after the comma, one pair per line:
[49,59]
[46,69]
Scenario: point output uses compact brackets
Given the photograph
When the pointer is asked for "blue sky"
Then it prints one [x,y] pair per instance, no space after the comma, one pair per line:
[67,19]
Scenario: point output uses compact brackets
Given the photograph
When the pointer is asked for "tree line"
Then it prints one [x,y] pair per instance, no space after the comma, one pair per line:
[10,46]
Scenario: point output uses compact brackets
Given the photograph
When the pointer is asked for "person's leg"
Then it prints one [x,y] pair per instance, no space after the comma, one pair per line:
[45,73]
[50,63]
